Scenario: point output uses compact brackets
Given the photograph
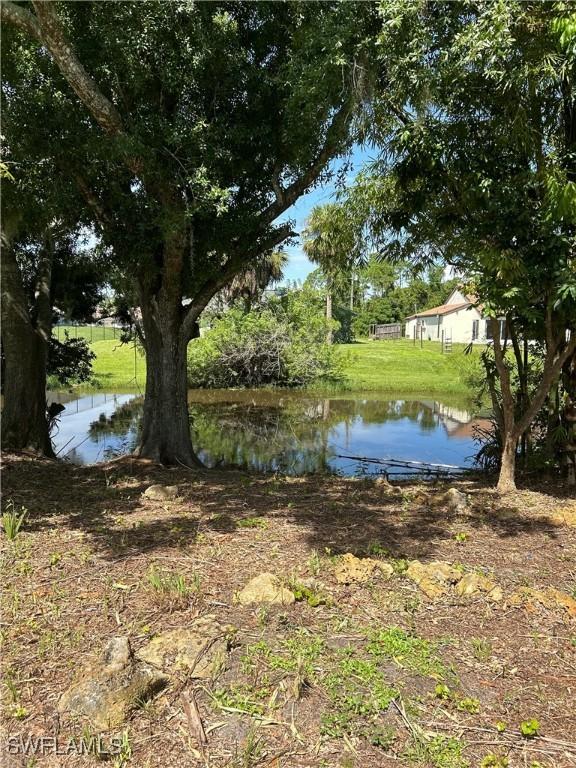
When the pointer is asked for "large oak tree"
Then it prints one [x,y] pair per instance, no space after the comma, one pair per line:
[188,130]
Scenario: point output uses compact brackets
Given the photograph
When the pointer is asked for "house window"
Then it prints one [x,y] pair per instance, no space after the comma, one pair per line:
[475,329]
[501,326]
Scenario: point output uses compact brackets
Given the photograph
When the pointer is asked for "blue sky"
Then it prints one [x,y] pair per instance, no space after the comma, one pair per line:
[298,265]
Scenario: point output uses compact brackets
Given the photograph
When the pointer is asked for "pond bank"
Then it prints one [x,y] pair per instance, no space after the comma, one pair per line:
[97,559]
[384,366]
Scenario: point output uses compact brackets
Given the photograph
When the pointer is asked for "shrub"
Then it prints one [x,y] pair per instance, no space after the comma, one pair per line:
[263,347]
[69,361]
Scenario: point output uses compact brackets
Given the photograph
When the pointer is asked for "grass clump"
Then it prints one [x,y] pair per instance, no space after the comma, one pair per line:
[482,649]
[358,693]
[241,698]
[437,751]
[171,586]
[13,520]
[252,522]
[298,653]
[407,650]
[290,667]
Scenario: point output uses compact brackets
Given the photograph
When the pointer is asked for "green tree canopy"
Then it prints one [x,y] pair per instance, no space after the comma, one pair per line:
[187,130]
[478,163]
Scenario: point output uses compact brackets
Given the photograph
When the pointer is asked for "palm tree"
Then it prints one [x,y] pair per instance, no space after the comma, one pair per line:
[249,285]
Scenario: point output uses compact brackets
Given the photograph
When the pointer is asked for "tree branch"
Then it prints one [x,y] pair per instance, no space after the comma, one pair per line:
[43,303]
[21,18]
[47,28]
[552,369]
[100,214]
[284,198]
[504,374]
[231,268]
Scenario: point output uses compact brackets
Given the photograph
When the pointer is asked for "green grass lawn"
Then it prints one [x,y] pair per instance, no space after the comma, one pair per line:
[116,365]
[401,366]
[89,332]
[385,366]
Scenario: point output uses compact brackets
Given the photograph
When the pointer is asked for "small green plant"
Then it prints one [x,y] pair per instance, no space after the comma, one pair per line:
[250,752]
[358,692]
[492,760]
[314,563]
[399,564]
[437,751]
[252,522]
[468,704]
[241,698]
[482,649]
[407,650]
[263,615]
[376,549]
[11,687]
[125,751]
[171,585]
[461,537]
[501,726]
[383,737]
[55,558]
[12,520]
[442,691]
[529,728]
[306,594]
[18,712]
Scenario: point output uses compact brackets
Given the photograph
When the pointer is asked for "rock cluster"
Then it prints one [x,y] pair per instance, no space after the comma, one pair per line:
[265,588]
[549,597]
[351,568]
[161,492]
[200,650]
[435,578]
[439,578]
[108,690]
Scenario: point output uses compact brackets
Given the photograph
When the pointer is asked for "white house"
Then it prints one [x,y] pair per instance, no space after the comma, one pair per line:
[458,320]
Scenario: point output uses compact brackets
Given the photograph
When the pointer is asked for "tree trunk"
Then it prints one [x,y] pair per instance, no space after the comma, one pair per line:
[24,422]
[166,422]
[569,418]
[506,479]
[329,335]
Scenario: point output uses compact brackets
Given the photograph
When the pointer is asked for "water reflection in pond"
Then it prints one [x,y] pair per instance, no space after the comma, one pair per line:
[293,433]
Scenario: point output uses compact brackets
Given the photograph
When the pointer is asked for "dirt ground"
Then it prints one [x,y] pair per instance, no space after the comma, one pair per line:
[353,675]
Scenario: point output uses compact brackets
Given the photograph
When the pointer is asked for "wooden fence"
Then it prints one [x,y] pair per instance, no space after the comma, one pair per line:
[387,331]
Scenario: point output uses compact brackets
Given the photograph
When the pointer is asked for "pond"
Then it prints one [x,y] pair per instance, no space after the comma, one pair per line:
[288,432]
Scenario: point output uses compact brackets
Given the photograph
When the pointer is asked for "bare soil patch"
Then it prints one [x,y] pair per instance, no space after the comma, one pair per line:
[366,673]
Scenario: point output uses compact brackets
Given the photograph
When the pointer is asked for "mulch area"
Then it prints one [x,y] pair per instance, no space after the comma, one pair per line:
[77,575]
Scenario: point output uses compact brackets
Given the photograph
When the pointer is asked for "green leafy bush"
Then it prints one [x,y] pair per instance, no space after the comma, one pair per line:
[274,345]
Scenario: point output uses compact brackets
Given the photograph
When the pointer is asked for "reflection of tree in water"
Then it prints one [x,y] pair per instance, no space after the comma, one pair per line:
[123,424]
[262,437]
[292,437]
[382,411]
[269,431]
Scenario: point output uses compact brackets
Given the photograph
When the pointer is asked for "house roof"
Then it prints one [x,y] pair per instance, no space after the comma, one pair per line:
[443,309]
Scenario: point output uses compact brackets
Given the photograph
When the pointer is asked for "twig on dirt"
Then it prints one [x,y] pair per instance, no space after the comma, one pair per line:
[194,720]
[513,738]
[414,730]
